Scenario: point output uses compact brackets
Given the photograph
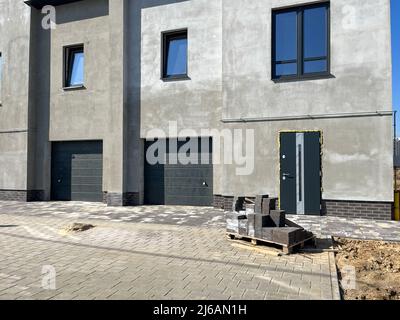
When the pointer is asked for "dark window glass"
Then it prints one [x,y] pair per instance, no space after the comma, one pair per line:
[315,35]
[1,65]
[315,66]
[286,69]
[286,36]
[175,54]
[301,41]
[74,66]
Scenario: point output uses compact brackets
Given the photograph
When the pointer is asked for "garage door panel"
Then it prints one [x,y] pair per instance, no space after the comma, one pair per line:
[179,184]
[188,192]
[78,180]
[87,164]
[193,173]
[185,181]
[186,201]
[88,172]
[87,156]
[77,171]
[86,188]
[90,197]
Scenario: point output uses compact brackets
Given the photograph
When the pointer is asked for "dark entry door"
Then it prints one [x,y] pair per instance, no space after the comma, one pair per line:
[77,171]
[300,172]
[177,183]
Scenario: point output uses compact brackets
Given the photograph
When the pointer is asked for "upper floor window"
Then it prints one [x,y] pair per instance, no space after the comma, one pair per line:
[74,61]
[300,42]
[175,55]
[1,65]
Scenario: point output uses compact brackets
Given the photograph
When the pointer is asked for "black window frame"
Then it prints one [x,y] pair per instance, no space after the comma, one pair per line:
[69,52]
[300,75]
[167,36]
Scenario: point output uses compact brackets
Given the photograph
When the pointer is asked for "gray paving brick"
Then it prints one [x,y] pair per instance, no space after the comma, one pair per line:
[132,260]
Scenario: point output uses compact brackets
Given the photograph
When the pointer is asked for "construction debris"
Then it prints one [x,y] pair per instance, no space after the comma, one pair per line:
[249,221]
[78,227]
[376,267]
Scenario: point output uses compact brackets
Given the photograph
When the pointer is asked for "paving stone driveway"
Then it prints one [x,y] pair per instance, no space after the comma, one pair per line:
[175,215]
[120,260]
[350,228]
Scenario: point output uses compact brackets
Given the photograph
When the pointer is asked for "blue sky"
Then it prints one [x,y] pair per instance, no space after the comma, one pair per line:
[396,57]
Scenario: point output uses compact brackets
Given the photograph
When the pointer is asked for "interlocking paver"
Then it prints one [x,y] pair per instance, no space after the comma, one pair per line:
[135,260]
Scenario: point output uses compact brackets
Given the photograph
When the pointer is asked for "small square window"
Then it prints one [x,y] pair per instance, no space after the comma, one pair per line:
[74,61]
[175,55]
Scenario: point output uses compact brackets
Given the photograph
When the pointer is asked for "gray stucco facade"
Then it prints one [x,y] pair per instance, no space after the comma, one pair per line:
[230,87]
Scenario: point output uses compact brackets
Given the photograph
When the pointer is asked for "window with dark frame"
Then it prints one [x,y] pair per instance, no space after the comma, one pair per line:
[1,65]
[174,55]
[1,74]
[301,42]
[74,66]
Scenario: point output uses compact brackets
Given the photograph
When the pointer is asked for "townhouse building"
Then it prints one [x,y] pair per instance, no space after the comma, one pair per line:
[307,83]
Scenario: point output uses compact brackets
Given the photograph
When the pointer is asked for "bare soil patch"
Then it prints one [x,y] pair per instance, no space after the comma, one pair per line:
[77,227]
[377,266]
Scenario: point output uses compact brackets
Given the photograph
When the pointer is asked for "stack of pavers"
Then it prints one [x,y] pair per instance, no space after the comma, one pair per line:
[260,219]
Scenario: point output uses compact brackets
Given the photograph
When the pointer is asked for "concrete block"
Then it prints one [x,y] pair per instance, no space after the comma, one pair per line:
[228,203]
[243,227]
[250,208]
[287,236]
[238,204]
[264,221]
[278,217]
[267,234]
[259,203]
[268,204]
[235,215]
[251,225]
[232,221]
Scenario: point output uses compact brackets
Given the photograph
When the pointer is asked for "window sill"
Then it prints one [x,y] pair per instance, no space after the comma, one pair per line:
[71,88]
[304,78]
[176,78]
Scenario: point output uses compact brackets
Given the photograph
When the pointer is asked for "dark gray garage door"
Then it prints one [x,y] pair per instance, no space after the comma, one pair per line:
[180,184]
[77,171]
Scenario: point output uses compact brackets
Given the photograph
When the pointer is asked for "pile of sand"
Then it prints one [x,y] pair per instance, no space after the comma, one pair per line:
[377,266]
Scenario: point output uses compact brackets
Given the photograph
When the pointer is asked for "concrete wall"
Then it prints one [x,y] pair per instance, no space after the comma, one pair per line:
[39,147]
[357,152]
[230,78]
[82,114]
[194,103]
[356,162]
[14,46]
[107,108]
[360,62]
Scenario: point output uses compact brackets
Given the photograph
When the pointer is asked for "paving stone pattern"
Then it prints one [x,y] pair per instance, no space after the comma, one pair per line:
[128,257]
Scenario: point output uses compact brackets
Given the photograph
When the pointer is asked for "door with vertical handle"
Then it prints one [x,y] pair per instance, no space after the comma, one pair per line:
[300,172]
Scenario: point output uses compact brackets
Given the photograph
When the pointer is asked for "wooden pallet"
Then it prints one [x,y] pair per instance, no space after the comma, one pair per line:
[257,241]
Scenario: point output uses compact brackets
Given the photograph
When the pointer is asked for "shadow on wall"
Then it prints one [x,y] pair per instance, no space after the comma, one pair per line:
[133,38]
[155,3]
[74,12]
[99,8]
[39,110]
